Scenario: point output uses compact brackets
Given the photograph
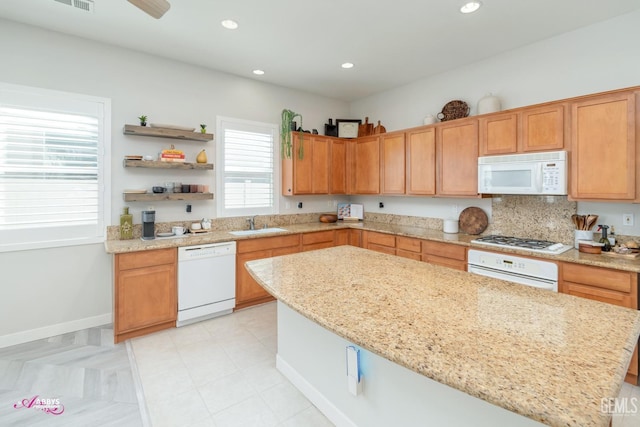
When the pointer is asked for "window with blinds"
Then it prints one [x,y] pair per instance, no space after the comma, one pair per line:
[247,168]
[52,174]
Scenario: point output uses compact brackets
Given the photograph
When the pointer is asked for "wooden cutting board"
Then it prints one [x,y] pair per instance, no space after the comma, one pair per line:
[473,220]
[366,128]
[379,129]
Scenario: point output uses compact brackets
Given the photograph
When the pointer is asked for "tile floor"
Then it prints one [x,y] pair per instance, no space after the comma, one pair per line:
[220,372]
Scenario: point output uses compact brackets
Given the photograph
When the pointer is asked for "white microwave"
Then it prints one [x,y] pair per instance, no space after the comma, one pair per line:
[528,174]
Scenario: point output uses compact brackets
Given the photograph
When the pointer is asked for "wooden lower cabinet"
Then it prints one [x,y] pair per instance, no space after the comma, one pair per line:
[606,285]
[445,254]
[318,240]
[145,292]
[408,247]
[380,242]
[341,237]
[355,237]
[248,291]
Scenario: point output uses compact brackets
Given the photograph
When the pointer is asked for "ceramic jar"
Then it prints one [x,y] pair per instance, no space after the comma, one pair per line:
[489,104]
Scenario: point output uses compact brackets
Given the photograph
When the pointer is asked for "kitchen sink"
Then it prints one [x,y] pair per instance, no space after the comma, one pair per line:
[257,231]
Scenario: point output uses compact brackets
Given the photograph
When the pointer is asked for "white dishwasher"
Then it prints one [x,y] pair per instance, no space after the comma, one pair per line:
[206,281]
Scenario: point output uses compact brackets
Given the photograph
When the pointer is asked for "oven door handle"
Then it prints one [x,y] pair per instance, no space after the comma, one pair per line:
[514,278]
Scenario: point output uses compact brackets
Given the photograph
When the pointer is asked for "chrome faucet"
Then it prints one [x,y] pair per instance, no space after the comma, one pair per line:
[252,222]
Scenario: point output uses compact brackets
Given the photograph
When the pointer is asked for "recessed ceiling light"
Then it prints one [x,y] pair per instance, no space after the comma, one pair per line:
[470,7]
[229,24]
[258,72]
[347,65]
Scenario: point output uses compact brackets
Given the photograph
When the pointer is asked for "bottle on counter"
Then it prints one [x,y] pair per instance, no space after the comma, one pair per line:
[604,239]
[126,224]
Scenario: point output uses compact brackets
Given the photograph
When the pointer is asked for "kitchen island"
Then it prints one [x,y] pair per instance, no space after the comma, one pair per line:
[535,355]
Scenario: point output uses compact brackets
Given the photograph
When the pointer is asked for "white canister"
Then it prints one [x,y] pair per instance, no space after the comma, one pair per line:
[450,226]
[582,235]
[489,104]
[429,119]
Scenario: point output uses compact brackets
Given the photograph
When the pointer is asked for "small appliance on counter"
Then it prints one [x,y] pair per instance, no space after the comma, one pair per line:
[350,211]
[148,225]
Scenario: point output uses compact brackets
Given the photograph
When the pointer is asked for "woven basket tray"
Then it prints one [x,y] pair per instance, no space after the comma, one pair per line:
[452,110]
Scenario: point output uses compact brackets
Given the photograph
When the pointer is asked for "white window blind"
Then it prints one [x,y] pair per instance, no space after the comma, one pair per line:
[52,174]
[247,168]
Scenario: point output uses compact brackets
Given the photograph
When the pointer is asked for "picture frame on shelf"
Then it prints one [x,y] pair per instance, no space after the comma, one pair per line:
[348,128]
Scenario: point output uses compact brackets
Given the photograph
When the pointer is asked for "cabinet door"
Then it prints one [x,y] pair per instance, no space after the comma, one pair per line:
[421,162]
[320,163]
[366,161]
[392,166]
[499,134]
[145,297]
[543,128]
[603,148]
[247,289]
[342,237]
[338,175]
[355,237]
[457,152]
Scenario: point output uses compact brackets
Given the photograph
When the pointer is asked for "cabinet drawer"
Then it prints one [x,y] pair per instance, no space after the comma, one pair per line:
[381,239]
[262,243]
[445,262]
[605,278]
[409,254]
[444,250]
[146,258]
[319,245]
[381,248]
[408,244]
[319,237]
[597,294]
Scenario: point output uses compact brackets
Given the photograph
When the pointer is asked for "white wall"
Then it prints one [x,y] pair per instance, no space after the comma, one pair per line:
[61,286]
[597,58]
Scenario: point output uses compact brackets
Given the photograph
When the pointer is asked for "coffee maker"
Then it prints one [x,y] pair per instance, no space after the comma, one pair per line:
[148,225]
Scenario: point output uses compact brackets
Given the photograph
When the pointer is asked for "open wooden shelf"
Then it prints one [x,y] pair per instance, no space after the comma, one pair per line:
[155,164]
[155,197]
[167,133]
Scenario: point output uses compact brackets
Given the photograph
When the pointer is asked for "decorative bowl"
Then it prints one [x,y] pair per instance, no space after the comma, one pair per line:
[328,218]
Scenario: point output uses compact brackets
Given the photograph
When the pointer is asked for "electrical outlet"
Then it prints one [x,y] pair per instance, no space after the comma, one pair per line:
[381,205]
[299,205]
[627,219]
[329,203]
[335,203]
[287,205]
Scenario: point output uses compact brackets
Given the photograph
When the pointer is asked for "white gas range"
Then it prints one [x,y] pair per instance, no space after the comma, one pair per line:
[529,245]
[525,271]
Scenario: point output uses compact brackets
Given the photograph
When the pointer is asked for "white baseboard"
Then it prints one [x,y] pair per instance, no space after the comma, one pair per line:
[53,330]
[327,408]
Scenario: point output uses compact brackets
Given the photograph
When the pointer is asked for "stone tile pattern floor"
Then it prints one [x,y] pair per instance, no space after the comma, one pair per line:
[90,376]
[221,372]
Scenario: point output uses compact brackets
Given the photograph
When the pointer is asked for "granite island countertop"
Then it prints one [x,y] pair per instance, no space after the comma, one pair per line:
[218,236]
[547,356]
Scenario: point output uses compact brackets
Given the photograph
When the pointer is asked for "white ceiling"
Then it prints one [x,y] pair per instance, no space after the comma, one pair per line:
[301,44]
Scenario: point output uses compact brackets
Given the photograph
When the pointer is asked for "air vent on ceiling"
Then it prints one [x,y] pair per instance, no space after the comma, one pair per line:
[86,5]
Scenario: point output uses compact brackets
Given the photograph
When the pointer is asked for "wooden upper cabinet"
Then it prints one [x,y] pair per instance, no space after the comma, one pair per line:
[338,167]
[498,134]
[309,175]
[603,147]
[543,128]
[421,162]
[392,163]
[365,154]
[457,155]
[530,129]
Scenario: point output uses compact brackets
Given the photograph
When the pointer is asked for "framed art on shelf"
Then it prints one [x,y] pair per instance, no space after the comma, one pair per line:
[348,128]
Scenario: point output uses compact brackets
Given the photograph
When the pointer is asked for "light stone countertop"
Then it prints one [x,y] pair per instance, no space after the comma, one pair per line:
[547,356]
[217,236]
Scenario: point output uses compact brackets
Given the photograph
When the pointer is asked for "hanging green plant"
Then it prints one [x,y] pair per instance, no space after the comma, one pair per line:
[286,145]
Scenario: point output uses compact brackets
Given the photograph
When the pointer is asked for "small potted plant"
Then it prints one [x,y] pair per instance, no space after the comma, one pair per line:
[143,120]
[203,128]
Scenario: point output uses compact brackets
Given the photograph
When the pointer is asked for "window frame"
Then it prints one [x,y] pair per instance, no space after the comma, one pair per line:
[62,101]
[223,122]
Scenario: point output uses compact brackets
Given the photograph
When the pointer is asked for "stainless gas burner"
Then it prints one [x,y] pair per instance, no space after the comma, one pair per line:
[541,246]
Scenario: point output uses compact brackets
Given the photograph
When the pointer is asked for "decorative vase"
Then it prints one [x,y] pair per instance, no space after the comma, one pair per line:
[202,157]
[489,104]
[126,224]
